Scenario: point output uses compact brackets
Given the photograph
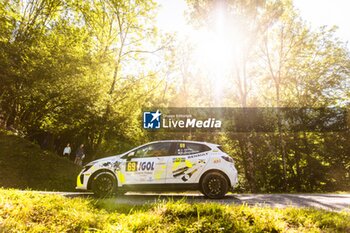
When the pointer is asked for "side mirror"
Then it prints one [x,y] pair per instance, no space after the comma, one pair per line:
[130,155]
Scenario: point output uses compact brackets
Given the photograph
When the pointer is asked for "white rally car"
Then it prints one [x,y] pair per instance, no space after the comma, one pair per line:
[172,165]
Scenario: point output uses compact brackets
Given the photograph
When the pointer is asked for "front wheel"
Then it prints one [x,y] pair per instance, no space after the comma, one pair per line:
[104,184]
[214,185]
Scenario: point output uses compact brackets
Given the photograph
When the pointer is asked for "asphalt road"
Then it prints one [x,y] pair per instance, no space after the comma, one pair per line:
[335,202]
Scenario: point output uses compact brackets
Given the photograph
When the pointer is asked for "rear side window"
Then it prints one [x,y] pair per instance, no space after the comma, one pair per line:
[222,149]
[184,148]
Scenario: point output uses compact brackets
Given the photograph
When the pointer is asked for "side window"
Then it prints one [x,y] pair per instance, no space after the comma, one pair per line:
[183,148]
[153,150]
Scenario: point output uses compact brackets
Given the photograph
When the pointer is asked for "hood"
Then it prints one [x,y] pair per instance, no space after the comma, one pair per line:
[106,159]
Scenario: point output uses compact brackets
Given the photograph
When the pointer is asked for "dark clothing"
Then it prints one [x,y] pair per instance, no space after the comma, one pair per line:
[79,156]
[80,152]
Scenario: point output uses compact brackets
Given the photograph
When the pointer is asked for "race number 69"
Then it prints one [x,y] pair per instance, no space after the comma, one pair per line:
[131,166]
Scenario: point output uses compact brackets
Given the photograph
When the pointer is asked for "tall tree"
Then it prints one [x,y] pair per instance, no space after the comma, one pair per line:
[247,20]
[304,68]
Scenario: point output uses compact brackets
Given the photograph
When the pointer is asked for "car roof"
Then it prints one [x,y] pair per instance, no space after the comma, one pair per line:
[189,141]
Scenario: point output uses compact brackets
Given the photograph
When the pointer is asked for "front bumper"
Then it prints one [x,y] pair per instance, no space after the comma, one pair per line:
[83,177]
[82,181]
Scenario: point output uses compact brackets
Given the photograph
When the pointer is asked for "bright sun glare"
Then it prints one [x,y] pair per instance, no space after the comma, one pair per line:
[216,52]
[219,48]
[216,48]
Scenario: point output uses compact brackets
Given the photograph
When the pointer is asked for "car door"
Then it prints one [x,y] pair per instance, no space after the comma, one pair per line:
[187,163]
[147,164]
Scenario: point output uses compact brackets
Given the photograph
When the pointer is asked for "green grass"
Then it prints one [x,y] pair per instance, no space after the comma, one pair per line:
[24,165]
[32,212]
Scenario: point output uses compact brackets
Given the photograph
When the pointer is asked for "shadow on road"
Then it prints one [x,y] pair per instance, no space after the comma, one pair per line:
[335,202]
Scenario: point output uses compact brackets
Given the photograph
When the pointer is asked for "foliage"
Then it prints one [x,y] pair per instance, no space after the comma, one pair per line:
[75,71]
[45,213]
[82,71]
[282,62]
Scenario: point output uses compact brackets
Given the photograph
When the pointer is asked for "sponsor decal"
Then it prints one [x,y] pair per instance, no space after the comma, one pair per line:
[201,161]
[178,160]
[187,176]
[217,161]
[116,166]
[180,171]
[188,163]
[121,177]
[197,155]
[107,164]
[139,166]
[160,172]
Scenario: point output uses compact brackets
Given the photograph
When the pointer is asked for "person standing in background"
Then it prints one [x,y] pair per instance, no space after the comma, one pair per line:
[67,150]
[80,155]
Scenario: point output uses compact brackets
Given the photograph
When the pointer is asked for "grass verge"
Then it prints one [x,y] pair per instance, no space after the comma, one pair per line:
[32,212]
[24,164]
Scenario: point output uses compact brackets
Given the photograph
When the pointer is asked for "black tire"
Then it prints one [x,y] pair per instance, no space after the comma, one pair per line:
[104,185]
[214,185]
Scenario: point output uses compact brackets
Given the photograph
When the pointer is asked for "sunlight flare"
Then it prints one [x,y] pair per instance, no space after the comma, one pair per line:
[218,50]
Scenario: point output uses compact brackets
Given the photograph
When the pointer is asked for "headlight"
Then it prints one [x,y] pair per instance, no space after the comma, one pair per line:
[91,164]
[85,168]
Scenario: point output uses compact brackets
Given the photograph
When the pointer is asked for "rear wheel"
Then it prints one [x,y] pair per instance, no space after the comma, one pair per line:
[104,184]
[214,185]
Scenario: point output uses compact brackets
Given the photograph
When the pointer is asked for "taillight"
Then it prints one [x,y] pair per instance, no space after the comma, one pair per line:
[228,159]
